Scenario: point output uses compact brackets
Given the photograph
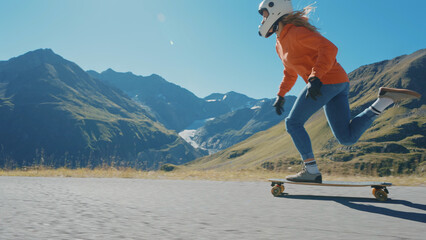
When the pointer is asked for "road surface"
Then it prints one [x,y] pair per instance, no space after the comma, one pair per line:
[87,208]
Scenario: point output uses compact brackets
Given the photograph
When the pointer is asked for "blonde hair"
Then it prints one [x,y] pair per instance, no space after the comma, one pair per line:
[299,19]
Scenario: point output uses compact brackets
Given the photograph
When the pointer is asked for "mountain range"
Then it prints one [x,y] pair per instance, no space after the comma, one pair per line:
[53,113]
[394,144]
[212,123]
[172,105]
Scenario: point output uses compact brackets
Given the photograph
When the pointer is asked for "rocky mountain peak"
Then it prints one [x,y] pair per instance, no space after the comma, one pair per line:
[38,57]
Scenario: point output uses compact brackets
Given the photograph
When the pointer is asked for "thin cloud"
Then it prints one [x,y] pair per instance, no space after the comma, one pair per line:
[161,17]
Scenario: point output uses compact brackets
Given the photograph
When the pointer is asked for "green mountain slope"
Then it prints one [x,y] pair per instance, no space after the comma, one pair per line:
[395,144]
[53,113]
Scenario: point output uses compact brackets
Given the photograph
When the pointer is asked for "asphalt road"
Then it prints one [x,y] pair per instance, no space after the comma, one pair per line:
[73,208]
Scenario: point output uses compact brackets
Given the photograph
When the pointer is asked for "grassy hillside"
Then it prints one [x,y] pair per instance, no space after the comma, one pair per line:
[394,145]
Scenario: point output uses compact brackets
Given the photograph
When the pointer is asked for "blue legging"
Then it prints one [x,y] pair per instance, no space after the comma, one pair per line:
[334,99]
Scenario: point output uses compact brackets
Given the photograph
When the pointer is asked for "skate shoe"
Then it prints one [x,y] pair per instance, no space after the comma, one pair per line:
[397,94]
[305,176]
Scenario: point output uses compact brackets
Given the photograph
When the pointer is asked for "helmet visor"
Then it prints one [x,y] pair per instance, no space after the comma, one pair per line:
[262,10]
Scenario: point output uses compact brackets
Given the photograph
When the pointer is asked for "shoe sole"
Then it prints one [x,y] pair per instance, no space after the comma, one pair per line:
[318,179]
[397,94]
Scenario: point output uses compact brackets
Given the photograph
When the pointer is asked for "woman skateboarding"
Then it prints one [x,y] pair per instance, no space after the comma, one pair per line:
[305,52]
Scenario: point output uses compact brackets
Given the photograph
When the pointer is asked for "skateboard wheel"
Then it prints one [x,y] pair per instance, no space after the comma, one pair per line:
[282,188]
[380,194]
[276,191]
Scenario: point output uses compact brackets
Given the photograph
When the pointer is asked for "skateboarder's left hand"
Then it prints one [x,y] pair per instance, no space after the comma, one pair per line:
[314,86]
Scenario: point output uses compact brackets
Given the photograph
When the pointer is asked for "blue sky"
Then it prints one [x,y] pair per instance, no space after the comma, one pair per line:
[205,46]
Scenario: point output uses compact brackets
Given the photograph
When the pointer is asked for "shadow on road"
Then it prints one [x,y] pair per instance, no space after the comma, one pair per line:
[357,204]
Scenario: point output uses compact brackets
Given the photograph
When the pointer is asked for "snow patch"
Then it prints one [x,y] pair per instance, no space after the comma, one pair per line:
[187,135]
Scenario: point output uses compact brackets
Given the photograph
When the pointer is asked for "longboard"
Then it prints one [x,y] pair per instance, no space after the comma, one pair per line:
[379,189]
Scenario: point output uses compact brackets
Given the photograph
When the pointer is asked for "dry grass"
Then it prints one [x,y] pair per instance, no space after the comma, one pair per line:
[211,175]
[132,173]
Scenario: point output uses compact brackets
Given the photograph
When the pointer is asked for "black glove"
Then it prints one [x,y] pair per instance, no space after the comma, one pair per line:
[279,105]
[314,86]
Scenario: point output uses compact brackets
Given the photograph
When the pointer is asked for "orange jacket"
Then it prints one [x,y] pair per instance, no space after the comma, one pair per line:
[307,53]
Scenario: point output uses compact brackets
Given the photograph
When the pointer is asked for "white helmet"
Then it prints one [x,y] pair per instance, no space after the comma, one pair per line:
[276,9]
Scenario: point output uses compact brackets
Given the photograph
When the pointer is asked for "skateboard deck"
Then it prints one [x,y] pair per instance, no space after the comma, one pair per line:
[379,189]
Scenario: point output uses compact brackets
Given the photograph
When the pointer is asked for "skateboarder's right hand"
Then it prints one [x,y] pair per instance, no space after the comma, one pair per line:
[279,105]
